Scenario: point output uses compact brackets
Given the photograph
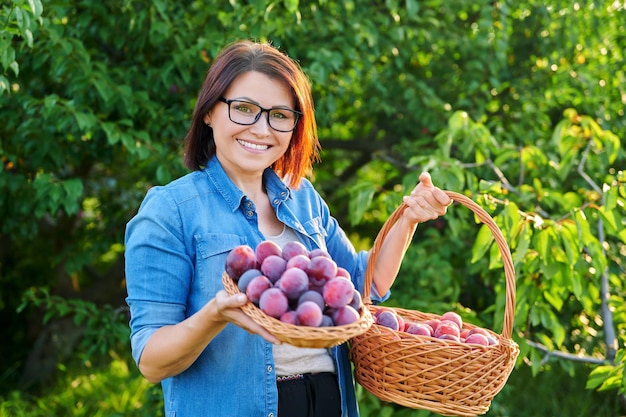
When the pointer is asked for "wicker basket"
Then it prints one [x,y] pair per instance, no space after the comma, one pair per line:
[446,377]
[302,336]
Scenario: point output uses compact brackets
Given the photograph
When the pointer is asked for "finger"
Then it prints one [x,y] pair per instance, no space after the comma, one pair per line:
[426,180]
[426,199]
[441,197]
[425,183]
[419,210]
[266,335]
[230,307]
[226,300]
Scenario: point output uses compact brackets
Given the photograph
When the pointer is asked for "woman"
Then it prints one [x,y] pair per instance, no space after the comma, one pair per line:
[251,143]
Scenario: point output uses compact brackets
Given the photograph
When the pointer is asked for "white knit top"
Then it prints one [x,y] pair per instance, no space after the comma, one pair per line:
[291,360]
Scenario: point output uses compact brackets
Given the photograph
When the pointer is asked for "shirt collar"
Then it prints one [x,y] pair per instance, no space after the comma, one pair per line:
[276,188]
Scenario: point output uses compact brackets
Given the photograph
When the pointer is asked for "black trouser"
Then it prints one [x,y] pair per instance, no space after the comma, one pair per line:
[313,395]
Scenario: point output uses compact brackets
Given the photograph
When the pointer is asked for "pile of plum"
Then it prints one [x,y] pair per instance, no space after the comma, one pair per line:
[295,285]
[448,327]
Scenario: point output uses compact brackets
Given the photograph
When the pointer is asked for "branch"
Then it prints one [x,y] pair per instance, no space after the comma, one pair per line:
[505,182]
[565,355]
[607,317]
[583,174]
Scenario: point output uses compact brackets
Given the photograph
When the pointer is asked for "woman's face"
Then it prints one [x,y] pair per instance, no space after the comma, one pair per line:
[245,150]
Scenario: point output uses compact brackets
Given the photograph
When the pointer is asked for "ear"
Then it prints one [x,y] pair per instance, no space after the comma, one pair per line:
[207,119]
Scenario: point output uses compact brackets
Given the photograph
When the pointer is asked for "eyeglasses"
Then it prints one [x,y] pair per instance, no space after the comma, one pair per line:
[245,113]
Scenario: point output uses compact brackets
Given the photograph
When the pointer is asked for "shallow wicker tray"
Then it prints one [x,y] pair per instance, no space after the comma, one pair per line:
[447,377]
[301,336]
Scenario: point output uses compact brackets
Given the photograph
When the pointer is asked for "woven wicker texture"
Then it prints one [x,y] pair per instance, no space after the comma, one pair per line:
[302,336]
[447,377]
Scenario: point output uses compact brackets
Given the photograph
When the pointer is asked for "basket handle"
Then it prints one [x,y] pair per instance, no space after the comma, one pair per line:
[509,269]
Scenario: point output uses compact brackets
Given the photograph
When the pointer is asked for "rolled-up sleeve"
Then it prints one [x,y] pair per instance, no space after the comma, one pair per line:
[158,268]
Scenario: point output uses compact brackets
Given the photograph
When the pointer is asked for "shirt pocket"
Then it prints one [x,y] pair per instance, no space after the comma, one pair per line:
[211,252]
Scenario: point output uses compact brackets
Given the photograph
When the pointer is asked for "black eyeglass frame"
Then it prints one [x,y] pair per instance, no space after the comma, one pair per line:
[297,114]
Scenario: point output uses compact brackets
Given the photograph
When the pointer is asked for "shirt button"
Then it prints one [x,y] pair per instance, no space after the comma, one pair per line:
[284,193]
[270,415]
[250,213]
[269,369]
[276,201]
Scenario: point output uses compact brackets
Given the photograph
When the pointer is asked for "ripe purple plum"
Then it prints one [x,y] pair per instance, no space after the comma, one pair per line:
[294,282]
[447,336]
[314,296]
[401,322]
[477,339]
[256,287]
[298,261]
[357,301]
[453,317]
[239,260]
[327,321]
[318,252]
[273,267]
[479,330]
[342,272]
[419,329]
[309,314]
[463,335]
[381,310]
[338,292]
[345,315]
[388,319]
[246,277]
[434,323]
[447,327]
[321,270]
[289,317]
[273,302]
[293,248]
[265,249]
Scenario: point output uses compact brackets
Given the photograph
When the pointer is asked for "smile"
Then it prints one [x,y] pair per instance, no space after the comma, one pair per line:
[252,145]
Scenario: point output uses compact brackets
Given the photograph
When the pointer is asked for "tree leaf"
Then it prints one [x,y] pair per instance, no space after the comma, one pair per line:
[522,244]
[555,299]
[85,120]
[483,241]
[569,240]
[609,218]
[361,196]
[36,7]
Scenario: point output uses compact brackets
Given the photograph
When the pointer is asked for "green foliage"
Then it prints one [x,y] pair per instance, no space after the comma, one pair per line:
[106,329]
[609,377]
[87,390]
[18,20]
[519,106]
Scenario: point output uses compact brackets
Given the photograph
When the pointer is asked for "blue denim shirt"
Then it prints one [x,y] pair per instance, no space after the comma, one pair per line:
[176,247]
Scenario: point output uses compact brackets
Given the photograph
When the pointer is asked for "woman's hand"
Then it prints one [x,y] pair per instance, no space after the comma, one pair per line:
[229,309]
[426,202]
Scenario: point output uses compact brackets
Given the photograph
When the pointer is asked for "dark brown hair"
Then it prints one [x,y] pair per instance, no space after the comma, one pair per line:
[236,59]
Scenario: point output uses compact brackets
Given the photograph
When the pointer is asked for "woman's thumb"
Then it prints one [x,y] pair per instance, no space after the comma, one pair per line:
[425,179]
